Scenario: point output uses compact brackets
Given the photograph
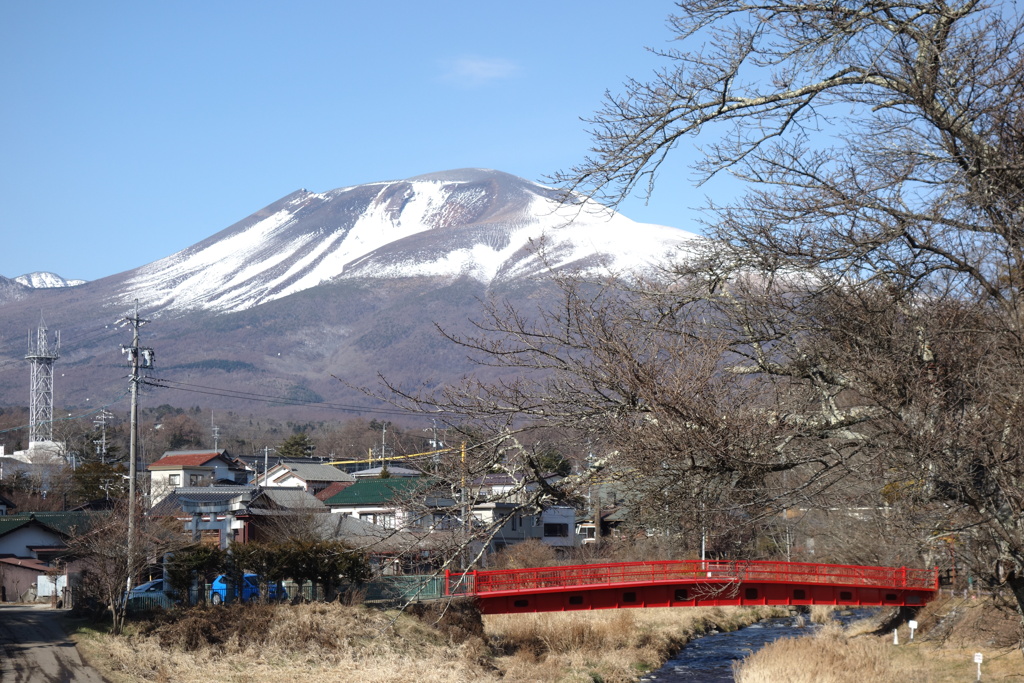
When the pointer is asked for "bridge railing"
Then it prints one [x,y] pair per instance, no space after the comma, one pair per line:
[689,571]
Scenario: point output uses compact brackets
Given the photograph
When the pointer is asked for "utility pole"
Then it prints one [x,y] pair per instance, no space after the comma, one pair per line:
[266,458]
[139,357]
[215,429]
[101,443]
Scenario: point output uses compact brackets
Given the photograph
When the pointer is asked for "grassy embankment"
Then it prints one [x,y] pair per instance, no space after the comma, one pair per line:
[333,643]
[951,631]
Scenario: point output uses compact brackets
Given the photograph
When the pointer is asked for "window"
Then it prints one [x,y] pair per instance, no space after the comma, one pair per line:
[556,531]
[195,480]
[384,519]
[174,480]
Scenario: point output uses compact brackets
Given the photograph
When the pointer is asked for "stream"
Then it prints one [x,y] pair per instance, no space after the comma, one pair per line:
[709,659]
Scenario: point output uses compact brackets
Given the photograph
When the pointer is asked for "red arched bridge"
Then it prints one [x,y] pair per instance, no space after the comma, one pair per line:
[691,583]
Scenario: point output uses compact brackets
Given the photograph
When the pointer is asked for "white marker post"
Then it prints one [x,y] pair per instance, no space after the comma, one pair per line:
[913,627]
[977,660]
[895,637]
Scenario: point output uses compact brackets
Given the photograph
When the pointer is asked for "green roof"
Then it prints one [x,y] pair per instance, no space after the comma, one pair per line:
[63,523]
[9,523]
[376,491]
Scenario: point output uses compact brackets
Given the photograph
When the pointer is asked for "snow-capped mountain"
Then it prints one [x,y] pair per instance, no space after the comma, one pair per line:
[40,280]
[310,300]
[484,224]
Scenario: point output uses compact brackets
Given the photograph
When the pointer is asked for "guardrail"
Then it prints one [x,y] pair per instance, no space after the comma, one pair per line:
[687,571]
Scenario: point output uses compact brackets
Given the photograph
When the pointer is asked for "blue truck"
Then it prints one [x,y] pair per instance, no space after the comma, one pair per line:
[248,589]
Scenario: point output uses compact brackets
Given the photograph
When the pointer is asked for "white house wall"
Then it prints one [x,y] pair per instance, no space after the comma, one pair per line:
[18,541]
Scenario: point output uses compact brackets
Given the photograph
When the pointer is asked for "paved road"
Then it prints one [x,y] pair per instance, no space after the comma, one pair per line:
[34,648]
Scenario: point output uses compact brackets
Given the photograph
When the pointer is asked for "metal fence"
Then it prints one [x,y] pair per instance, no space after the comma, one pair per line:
[385,591]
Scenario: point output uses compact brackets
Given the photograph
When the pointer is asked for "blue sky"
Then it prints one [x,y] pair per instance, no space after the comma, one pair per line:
[131,130]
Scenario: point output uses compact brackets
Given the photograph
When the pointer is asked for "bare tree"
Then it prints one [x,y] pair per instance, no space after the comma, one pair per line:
[102,550]
[868,281]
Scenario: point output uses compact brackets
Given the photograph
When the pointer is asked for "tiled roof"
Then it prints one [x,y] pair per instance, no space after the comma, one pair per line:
[374,472]
[333,488]
[373,491]
[189,458]
[170,505]
[317,472]
[286,498]
[293,498]
[27,562]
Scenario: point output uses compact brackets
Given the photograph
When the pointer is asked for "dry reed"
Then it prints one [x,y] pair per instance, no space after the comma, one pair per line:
[335,644]
[828,657]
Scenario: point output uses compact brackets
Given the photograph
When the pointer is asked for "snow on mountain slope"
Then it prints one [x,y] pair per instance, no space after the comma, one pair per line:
[40,280]
[485,224]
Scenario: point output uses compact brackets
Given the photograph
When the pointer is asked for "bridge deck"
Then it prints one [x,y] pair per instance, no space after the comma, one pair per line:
[691,583]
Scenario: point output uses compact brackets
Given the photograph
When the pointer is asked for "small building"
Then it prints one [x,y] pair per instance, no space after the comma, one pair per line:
[310,477]
[239,513]
[393,503]
[193,468]
[31,545]
[507,486]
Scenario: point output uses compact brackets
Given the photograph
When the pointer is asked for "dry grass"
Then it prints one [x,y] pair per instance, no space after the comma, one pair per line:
[830,656]
[334,643]
[279,644]
[609,645]
[951,631]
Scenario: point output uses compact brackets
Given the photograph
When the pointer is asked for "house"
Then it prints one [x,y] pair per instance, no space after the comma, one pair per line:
[393,503]
[554,526]
[505,486]
[5,506]
[239,513]
[193,468]
[30,547]
[416,505]
[310,477]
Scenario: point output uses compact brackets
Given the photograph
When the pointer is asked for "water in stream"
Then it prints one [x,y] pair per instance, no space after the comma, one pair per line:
[709,659]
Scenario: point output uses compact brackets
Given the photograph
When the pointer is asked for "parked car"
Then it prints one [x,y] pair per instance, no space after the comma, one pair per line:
[151,594]
[247,590]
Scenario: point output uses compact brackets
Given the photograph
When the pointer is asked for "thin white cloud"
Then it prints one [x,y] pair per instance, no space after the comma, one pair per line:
[476,71]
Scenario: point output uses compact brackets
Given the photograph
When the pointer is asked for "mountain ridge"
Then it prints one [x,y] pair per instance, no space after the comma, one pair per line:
[315,286]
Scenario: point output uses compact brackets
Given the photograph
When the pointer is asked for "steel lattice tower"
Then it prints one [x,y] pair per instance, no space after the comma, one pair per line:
[41,400]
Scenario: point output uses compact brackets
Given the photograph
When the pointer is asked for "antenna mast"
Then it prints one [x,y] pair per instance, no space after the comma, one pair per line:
[41,392]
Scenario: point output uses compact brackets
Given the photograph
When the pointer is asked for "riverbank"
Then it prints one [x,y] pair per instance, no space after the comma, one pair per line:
[334,643]
[951,631]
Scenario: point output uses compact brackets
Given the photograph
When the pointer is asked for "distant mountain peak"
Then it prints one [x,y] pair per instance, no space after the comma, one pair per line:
[43,280]
[480,223]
